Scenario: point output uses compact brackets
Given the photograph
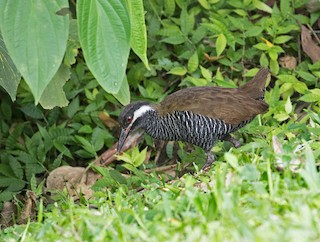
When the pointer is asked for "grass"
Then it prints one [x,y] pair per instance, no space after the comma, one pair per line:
[235,201]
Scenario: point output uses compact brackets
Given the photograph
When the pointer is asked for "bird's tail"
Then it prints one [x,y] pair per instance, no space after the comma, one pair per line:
[255,88]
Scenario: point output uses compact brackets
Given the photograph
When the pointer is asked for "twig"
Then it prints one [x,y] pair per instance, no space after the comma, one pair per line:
[313,33]
[161,168]
[299,49]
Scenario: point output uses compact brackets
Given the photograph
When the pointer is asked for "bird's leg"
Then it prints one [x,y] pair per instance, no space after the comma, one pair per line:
[232,140]
[209,161]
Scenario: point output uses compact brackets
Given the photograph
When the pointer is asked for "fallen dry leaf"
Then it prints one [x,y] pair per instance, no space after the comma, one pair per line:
[28,211]
[76,180]
[7,214]
[212,58]
[288,62]
[107,120]
[308,45]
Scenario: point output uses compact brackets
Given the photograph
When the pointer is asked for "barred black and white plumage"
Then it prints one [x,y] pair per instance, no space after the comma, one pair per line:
[186,126]
[197,115]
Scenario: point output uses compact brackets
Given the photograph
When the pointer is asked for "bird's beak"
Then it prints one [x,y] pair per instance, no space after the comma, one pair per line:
[123,136]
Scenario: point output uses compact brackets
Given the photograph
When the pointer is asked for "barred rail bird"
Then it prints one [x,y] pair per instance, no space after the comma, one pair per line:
[197,115]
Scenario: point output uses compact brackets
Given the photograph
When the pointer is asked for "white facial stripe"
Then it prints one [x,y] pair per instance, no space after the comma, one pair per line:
[139,112]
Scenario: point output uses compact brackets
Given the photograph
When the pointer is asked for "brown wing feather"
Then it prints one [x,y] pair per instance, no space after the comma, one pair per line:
[227,104]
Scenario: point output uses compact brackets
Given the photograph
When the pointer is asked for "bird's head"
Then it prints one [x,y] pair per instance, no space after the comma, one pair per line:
[131,118]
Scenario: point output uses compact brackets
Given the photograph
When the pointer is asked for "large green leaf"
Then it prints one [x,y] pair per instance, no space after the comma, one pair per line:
[104,32]
[9,75]
[123,96]
[221,44]
[262,6]
[138,30]
[36,37]
[54,95]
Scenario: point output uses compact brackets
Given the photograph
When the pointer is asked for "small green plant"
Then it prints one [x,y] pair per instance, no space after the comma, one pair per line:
[134,156]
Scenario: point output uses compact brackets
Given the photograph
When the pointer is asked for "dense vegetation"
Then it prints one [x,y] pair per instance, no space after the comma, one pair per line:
[268,189]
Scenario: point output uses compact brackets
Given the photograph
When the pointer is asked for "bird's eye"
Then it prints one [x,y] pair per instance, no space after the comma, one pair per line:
[129,119]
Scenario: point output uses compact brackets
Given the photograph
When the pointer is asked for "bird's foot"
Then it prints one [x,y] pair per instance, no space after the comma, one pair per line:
[232,140]
[209,161]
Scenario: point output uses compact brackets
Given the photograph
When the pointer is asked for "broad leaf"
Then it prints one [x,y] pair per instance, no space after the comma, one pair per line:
[193,63]
[274,66]
[16,167]
[9,75]
[282,39]
[32,111]
[104,33]
[204,4]
[123,96]
[54,95]
[206,73]
[116,175]
[310,97]
[169,7]
[288,106]
[12,184]
[178,70]
[221,44]
[186,21]
[35,36]
[262,6]
[175,40]
[138,37]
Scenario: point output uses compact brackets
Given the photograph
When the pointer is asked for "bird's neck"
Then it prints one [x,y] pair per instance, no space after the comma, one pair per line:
[157,126]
